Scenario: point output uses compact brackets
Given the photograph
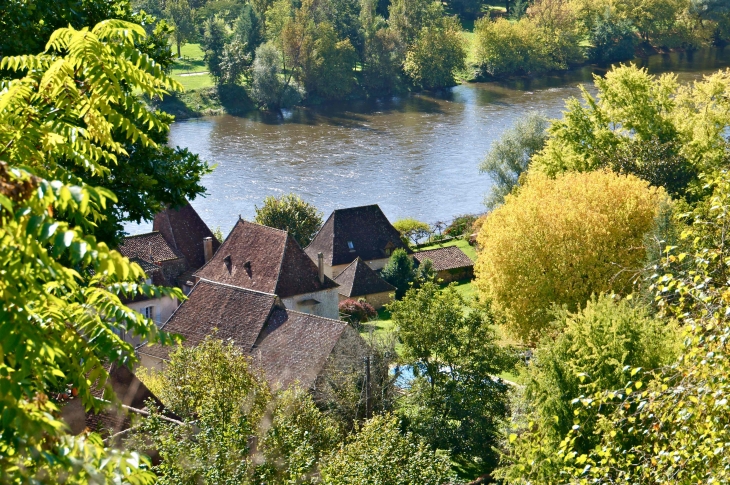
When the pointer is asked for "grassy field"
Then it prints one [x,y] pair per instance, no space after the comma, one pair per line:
[189,69]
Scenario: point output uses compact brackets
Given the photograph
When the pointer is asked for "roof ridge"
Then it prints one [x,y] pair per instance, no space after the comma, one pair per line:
[320,229]
[264,225]
[281,261]
[169,224]
[358,207]
[143,234]
[219,248]
[239,288]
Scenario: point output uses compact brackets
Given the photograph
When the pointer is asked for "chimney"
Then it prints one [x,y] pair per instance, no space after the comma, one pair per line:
[320,264]
[208,248]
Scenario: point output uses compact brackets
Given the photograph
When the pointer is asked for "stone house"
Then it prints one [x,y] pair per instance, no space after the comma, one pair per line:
[161,263]
[287,346]
[347,234]
[450,263]
[269,260]
[359,281]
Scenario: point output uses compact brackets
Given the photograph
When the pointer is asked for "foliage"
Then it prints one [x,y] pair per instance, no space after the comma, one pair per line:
[559,241]
[181,18]
[412,229]
[436,54]
[380,453]
[357,311]
[633,106]
[290,213]
[461,225]
[671,425]
[215,37]
[329,70]
[589,352]
[399,272]
[612,39]
[454,401]
[408,17]
[523,47]
[509,157]
[384,56]
[220,401]
[425,272]
[298,437]
[61,313]
[235,62]
[248,29]
[267,86]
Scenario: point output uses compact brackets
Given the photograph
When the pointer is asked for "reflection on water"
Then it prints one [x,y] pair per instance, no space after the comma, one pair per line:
[414,155]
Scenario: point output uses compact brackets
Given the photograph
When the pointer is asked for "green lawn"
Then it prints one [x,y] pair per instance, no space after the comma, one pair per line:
[462,244]
[191,83]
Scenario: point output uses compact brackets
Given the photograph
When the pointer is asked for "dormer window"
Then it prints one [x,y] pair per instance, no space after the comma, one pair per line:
[350,245]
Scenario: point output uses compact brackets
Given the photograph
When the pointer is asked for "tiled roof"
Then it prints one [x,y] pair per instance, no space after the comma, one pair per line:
[358,279]
[288,346]
[185,230]
[264,259]
[153,272]
[237,313]
[364,228]
[150,247]
[147,267]
[129,390]
[445,258]
[294,347]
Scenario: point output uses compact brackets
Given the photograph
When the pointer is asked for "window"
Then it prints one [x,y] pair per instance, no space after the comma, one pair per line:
[350,245]
[149,312]
[387,251]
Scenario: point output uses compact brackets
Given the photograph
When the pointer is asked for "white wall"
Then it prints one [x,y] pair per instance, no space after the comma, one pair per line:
[163,308]
[328,303]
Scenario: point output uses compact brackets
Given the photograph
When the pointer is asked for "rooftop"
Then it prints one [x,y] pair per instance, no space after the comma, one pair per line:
[362,232]
[185,230]
[264,259]
[151,247]
[445,258]
[358,279]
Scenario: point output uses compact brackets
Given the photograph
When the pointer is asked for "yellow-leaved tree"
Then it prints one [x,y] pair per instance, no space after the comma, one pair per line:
[558,241]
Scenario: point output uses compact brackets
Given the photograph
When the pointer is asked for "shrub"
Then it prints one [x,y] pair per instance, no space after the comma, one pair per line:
[461,225]
[590,351]
[356,312]
[380,453]
[399,271]
[558,241]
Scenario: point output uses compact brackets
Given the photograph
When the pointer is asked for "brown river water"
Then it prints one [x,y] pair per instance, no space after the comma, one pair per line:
[416,156]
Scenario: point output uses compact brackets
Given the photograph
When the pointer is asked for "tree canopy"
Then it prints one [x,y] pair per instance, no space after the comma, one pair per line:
[290,213]
[558,241]
[61,313]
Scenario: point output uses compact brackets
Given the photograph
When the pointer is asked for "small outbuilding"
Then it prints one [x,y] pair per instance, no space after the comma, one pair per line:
[450,263]
[358,281]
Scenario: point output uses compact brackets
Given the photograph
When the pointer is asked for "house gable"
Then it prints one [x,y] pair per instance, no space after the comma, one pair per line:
[184,230]
[358,279]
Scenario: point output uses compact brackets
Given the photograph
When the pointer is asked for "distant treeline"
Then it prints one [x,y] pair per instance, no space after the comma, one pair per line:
[284,51]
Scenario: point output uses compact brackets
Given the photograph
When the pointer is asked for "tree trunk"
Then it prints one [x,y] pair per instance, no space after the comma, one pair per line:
[178,50]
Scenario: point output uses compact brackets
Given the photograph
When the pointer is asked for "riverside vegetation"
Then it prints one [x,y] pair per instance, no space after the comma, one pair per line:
[278,53]
[627,323]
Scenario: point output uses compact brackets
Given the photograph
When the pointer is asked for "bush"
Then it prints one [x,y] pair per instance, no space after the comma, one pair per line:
[290,213]
[590,351]
[461,225]
[356,312]
[399,272]
[380,453]
[559,241]
[510,156]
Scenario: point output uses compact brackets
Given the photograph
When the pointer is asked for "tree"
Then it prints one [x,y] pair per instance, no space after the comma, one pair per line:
[60,309]
[509,157]
[248,29]
[412,229]
[634,107]
[268,88]
[408,17]
[559,241]
[590,350]
[669,425]
[384,56]
[461,225]
[235,62]
[330,74]
[437,53]
[356,312]
[181,16]
[215,38]
[612,39]
[455,401]
[290,213]
[380,453]
[399,272]
[297,439]
[221,402]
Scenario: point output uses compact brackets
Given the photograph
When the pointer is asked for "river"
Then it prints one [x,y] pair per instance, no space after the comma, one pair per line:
[415,156]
